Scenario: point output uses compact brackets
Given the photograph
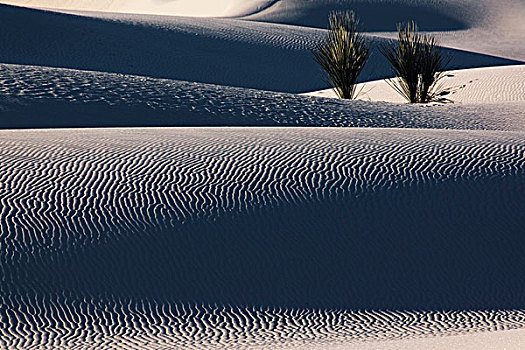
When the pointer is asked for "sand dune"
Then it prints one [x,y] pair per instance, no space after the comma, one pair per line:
[219,51]
[477,85]
[377,15]
[218,218]
[50,97]
[394,234]
[491,27]
[60,323]
[382,15]
[201,8]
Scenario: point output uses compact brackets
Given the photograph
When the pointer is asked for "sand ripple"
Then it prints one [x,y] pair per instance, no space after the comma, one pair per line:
[58,322]
[218,51]
[235,237]
[52,97]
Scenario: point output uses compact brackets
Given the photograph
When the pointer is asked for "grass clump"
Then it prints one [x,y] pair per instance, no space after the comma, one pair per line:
[343,53]
[418,64]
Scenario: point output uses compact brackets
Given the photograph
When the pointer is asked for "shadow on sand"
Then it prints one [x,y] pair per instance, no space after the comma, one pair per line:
[453,245]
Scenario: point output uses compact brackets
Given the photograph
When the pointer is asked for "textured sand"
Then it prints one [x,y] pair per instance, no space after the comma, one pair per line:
[51,97]
[212,223]
[219,51]
[403,230]
[493,27]
[476,85]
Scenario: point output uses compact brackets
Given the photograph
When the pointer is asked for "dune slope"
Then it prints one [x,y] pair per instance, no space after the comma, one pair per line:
[496,85]
[219,51]
[376,15]
[104,225]
[201,8]
[49,97]
[400,231]
[491,27]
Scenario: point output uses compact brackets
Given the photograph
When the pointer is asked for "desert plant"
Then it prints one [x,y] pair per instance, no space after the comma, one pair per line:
[343,53]
[417,63]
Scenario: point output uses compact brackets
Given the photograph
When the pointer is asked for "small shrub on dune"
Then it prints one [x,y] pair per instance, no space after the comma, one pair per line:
[343,53]
[418,64]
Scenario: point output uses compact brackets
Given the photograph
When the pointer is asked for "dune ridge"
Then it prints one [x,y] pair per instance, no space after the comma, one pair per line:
[200,8]
[491,27]
[379,14]
[228,52]
[51,97]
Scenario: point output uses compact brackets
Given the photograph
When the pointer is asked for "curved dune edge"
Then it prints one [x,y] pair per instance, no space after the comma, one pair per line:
[378,15]
[198,8]
[475,85]
[228,52]
[34,97]
[381,15]
[236,238]
[444,13]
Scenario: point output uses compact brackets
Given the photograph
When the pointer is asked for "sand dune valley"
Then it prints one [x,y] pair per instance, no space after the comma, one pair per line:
[179,174]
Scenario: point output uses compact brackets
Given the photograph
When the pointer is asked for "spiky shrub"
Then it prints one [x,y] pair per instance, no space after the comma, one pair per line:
[418,64]
[343,53]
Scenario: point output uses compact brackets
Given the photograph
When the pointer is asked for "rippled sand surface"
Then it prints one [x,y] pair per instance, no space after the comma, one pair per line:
[42,97]
[237,237]
[203,203]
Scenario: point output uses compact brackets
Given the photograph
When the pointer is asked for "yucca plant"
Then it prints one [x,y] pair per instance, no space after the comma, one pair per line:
[418,64]
[343,53]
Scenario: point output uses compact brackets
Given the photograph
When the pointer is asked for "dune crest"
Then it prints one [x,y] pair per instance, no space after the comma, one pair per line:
[198,8]
[55,97]
[382,15]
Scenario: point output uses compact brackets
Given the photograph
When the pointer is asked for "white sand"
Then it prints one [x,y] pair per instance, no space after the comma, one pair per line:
[477,85]
[403,230]
[507,340]
[201,8]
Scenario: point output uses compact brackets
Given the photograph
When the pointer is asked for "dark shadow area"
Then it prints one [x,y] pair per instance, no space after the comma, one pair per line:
[59,40]
[453,245]
[33,37]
